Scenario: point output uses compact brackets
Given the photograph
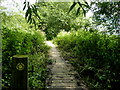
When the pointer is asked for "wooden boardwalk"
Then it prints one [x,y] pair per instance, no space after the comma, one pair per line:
[62,74]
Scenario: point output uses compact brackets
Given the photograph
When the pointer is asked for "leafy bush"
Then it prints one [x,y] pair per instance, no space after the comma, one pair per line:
[30,42]
[39,62]
[97,56]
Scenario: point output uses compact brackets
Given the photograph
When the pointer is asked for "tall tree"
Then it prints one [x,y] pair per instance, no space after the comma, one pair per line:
[52,17]
[108,15]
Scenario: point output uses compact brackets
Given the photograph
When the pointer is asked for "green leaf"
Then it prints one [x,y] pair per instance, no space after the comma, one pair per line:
[24,7]
[87,5]
[26,14]
[34,22]
[31,20]
[29,17]
[80,4]
[24,2]
[28,4]
[35,8]
[36,14]
[84,12]
[72,6]
[78,10]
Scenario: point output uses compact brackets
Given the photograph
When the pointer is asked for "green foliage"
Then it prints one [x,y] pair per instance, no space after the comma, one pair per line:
[39,62]
[95,56]
[82,4]
[55,17]
[16,41]
[107,14]
[23,40]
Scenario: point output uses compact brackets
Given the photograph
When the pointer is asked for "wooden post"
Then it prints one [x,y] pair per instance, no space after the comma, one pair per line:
[20,79]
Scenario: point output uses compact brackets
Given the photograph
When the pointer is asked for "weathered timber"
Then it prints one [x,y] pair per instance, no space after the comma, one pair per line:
[19,72]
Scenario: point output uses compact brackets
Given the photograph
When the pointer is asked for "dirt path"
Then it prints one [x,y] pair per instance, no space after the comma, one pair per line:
[62,74]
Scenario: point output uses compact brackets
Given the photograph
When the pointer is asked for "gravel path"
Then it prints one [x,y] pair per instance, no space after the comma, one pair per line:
[62,74]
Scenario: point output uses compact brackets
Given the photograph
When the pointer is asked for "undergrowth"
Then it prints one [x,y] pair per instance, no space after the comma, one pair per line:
[24,42]
[95,56]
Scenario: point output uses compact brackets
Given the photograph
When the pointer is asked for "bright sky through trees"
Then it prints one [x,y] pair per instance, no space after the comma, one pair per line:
[17,5]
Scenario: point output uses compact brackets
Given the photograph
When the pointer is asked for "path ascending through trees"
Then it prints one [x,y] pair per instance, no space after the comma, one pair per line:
[61,73]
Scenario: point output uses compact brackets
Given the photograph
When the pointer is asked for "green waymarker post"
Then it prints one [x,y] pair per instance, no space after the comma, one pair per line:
[20,71]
